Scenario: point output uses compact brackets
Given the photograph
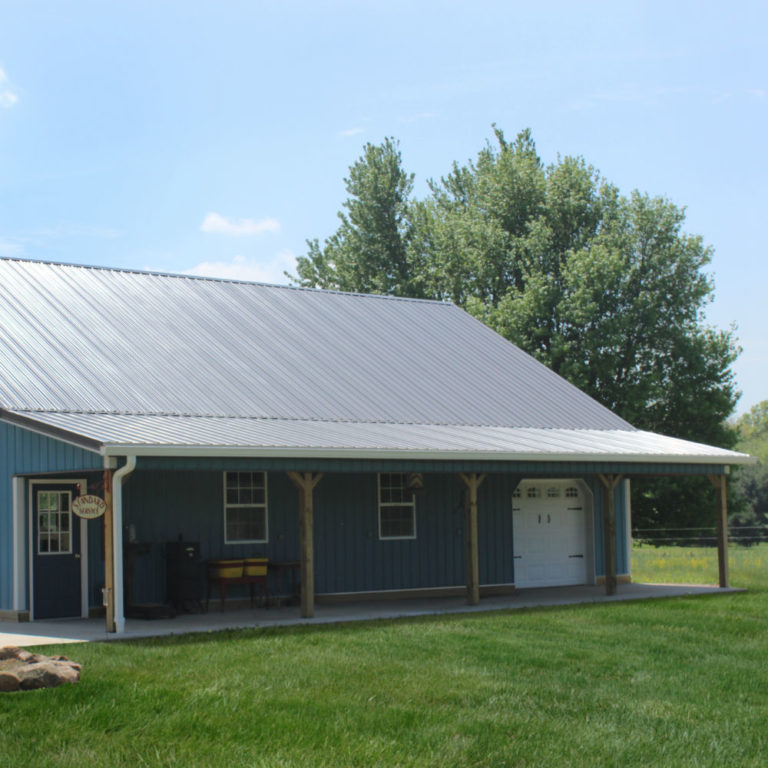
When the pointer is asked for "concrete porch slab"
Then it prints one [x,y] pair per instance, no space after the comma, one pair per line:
[92,630]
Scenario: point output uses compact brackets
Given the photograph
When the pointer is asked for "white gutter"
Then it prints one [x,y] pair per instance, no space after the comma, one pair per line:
[117,539]
[719,456]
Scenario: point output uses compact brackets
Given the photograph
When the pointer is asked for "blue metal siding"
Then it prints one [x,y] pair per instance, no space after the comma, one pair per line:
[24,452]
[164,506]
[495,529]
[349,556]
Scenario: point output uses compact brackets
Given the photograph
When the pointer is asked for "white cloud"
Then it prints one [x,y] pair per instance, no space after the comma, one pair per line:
[7,96]
[350,132]
[215,222]
[240,268]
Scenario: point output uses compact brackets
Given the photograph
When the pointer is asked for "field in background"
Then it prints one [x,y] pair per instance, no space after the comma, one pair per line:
[698,565]
[678,682]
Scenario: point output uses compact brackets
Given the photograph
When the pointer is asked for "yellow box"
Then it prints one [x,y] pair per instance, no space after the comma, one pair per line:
[256,566]
[225,569]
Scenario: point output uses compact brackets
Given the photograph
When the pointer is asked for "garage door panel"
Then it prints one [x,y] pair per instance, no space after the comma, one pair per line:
[550,534]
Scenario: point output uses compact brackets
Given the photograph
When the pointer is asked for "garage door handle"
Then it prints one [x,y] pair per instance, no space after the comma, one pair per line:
[517,557]
[575,555]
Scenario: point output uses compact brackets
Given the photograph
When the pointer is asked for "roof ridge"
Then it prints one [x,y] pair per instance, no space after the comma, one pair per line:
[234,281]
[297,419]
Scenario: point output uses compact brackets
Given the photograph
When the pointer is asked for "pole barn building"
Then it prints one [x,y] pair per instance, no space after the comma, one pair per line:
[369,445]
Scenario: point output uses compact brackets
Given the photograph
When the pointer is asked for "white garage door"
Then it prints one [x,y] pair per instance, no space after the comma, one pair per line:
[550,534]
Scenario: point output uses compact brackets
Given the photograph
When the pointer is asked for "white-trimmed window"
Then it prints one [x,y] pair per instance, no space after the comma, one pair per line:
[397,507]
[245,508]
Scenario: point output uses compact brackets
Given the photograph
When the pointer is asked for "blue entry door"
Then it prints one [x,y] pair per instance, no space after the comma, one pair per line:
[56,554]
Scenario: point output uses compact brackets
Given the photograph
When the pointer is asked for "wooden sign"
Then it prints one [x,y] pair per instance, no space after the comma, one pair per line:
[89,507]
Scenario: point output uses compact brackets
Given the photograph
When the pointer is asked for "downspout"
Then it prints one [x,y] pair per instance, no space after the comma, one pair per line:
[117,539]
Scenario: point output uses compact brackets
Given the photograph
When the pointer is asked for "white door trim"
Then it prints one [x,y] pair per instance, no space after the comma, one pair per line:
[83,483]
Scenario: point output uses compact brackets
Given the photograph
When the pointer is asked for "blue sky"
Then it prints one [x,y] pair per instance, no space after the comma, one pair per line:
[214,137]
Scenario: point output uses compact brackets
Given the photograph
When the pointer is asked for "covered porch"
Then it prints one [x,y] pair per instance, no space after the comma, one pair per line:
[325,521]
[63,631]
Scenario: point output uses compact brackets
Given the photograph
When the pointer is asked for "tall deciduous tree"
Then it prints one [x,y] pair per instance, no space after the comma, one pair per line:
[606,290]
[369,252]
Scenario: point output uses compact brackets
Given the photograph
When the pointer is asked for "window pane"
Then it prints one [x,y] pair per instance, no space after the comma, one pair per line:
[246,523]
[397,521]
[245,496]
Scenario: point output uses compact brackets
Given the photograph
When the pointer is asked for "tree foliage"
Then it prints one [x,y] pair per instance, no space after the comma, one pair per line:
[603,288]
[752,481]
[369,253]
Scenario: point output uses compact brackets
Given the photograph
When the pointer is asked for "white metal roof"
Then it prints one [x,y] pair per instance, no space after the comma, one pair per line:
[151,362]
[162,435]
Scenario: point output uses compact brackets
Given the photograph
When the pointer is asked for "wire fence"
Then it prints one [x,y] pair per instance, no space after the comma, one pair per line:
[700,537]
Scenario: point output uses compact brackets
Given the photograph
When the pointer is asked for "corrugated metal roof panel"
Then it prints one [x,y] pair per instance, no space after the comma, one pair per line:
[108,341]
[151,434]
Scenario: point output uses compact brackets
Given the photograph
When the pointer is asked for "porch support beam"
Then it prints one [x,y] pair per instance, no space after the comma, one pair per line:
[721,494]
[306,482]
[609,483]
[472,481]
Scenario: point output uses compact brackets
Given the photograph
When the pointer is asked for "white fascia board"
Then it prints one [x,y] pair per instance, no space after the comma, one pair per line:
[244,451]
[54,433]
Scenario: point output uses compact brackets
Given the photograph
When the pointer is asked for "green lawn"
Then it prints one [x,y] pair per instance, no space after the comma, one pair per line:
[664,683]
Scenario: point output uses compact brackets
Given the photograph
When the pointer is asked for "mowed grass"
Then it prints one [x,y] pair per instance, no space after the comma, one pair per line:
[659,683]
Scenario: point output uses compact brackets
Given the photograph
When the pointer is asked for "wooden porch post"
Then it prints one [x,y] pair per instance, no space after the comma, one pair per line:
[306,482]
[473,482]
[609,530]
[721,488]
[109,552]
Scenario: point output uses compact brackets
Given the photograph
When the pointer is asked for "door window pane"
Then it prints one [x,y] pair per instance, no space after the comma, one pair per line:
[54,522]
